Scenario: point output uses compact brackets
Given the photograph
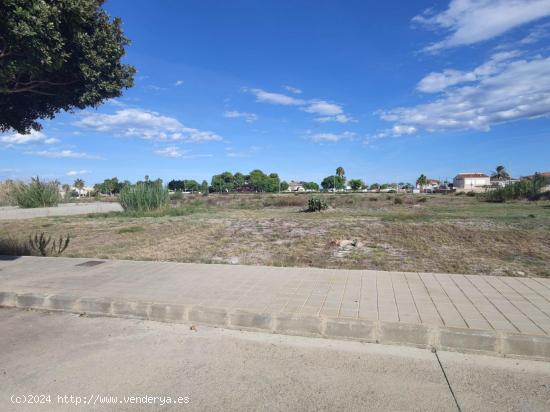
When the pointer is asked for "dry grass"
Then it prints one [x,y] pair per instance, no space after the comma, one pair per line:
[441,234]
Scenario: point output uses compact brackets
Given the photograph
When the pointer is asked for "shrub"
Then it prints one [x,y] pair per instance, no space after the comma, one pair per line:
[373,199]
[525,189]
[44,246]
[471,194]
[144,196]
[316,204]
[37,193]
[398,201]
[14,247]
[422,199]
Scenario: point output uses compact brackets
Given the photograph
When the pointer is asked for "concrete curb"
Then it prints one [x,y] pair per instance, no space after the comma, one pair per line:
[395,333]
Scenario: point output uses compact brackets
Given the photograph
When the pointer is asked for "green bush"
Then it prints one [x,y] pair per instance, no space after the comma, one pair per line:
[144,196]
[398,201]
[525,189]
[37,193]
[316,204]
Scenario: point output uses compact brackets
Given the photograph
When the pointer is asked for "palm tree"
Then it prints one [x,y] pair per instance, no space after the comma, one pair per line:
[79,184]
[340,171]
[422,181]
[501,173]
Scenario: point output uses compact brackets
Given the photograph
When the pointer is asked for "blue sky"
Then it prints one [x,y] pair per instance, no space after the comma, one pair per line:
[388,90]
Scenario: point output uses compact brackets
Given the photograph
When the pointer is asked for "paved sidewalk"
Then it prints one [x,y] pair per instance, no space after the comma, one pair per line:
[64,209]
[488,314]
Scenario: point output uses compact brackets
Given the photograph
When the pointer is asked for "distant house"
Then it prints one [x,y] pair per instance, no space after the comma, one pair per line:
[294,186]
[502,182]
[546,176]
[471,182]
[430,186]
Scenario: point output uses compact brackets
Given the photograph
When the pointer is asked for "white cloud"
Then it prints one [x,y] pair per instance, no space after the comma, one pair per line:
[291,89]
[518,90]
[33,137]
[77,172]
[176,152]
[473,21]
[145,125]
[329,137]
[323,108]
[437,82]
[248,117]
[62,154]
[178,83]
[275,98]
[329,112]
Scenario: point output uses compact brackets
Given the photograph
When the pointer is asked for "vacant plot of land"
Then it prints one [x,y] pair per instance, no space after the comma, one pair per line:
[435,233]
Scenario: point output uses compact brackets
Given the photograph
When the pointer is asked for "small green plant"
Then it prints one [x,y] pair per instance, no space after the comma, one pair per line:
[144,196]
[471,194]
[131,229]
[316,204]
[43,245]
[398,201]
[37,193]
[422,199]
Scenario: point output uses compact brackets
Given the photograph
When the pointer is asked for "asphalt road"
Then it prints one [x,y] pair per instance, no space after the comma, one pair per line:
[54,356]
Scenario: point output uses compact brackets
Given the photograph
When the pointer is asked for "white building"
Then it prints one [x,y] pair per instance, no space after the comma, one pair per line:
[294,186]
[471,182]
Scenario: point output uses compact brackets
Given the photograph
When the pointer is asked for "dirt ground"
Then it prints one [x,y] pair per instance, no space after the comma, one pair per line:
[423,233]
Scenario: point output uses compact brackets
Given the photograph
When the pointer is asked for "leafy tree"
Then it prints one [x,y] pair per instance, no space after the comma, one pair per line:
[110,186]
[284,186]
[374,186]
[204,187]
[223,182]
[238,181]
[501,173]
[384,186]
[184,185]
[329,182]
[356,184]
[57,55]
[311,186]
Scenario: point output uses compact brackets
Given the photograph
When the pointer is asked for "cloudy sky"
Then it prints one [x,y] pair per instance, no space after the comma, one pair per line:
[388,90]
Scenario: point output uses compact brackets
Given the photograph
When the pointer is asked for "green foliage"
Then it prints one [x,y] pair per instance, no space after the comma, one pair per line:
[525,189]
[131,229]
[111,186]
[330,182]
[144,196]
[204,187]
[311,186]
[422,180]
[57,55]
[422,199]
[184,185]
[501,173]
[43,244]
[37,193]
[340,171]
[398,200]
[284,186]
[316,204]
[256,181]
[356,184]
